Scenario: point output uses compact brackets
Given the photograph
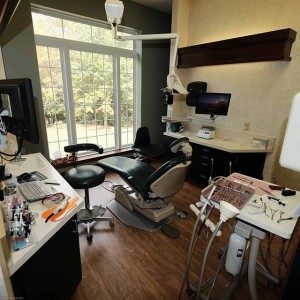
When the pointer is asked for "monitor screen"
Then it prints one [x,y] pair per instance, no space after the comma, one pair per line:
[17,108]
[212,103]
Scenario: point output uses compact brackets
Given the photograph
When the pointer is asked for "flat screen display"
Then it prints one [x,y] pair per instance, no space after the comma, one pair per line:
[213,103]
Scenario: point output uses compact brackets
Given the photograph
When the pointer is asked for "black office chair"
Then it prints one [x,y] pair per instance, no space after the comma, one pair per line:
[143,146]
[86,177]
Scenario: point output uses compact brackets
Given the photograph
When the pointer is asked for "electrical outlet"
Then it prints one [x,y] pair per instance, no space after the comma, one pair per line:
[246,126]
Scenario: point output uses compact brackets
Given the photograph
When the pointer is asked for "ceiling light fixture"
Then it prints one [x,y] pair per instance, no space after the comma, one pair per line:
[114,11]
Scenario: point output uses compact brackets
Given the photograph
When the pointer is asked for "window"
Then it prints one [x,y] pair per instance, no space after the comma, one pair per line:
[88,81]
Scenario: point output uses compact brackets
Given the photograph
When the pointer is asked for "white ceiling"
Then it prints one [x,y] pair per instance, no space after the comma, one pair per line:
[161,5]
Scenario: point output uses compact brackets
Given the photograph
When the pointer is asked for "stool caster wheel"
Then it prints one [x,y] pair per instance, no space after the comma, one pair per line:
[271,285]
[89,237]
[111,223]
[189,292]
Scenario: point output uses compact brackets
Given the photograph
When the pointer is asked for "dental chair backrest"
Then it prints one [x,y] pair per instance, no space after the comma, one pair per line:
[170,177]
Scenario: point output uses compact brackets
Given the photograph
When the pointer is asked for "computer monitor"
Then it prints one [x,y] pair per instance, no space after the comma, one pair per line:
[213,103]
[17,108]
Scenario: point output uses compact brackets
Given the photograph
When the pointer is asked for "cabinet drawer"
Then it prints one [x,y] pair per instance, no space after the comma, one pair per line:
[206,158]
[206,151]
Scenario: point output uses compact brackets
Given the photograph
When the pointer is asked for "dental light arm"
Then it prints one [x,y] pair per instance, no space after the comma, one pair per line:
[114,12]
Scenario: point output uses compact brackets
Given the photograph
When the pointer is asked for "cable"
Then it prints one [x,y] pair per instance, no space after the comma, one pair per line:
[20,140]
[113,186]
[213,117]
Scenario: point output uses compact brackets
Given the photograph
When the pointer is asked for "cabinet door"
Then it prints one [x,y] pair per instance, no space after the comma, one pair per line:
[200,169]
[54,271]
[208,162]
[251,164]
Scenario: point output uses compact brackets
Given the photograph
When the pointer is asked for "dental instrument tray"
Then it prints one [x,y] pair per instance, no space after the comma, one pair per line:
[232,192]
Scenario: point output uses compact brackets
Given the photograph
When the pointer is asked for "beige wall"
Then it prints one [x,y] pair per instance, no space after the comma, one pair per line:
[261,92]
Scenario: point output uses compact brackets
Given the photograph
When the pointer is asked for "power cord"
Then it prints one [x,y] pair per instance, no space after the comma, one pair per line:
[113,186]
[20,140]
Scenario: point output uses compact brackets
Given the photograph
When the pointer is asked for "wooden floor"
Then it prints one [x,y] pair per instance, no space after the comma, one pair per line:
[126,263]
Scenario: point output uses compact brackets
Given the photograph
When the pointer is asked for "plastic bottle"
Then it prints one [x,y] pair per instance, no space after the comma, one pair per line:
[235,254]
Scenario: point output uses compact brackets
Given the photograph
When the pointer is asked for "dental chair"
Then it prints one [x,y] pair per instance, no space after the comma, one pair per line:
[144,202]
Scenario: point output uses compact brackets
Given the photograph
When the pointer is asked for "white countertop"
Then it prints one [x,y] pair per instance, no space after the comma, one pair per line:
[41,230]
[218,143]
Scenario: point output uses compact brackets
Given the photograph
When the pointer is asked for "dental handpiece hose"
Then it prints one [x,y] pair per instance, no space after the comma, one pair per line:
[193,242]
[218,228]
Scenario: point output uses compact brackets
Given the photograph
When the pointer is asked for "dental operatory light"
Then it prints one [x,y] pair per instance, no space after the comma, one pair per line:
[114,11]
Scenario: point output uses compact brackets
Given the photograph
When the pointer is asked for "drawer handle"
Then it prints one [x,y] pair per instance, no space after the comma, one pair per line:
[206,150]
[205,157]
[76,226]
[203,164]
[203,176]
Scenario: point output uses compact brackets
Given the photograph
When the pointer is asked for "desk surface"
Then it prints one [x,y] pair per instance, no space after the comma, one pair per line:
[217,143]
[42,231]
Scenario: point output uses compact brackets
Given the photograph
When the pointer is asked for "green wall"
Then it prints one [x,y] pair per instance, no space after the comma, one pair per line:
[19,56]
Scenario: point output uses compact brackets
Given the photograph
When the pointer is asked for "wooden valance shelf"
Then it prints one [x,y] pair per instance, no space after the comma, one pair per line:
[268,46]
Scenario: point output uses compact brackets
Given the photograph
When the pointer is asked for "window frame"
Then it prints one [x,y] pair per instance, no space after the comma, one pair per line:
[67,45]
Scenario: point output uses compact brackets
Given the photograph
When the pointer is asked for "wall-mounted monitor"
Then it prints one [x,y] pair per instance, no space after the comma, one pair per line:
[213,103]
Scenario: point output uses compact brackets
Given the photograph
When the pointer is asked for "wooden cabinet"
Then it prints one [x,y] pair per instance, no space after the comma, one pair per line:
[267,46]
[208,162]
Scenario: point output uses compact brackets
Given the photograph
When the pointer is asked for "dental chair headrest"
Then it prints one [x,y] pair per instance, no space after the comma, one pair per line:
[182,145]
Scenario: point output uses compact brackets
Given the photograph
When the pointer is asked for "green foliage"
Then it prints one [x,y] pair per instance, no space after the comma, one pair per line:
[92,82]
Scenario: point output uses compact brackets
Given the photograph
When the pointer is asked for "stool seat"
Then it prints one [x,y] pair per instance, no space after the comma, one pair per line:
[85,177]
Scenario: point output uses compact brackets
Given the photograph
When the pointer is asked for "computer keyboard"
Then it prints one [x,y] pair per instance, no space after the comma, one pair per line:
[35,190]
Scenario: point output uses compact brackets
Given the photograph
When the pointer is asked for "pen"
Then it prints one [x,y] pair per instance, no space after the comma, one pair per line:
[266,191]
[51,182]
[58,209]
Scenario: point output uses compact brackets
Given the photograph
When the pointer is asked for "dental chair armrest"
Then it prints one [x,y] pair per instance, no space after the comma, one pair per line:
[165,168]
[83,147]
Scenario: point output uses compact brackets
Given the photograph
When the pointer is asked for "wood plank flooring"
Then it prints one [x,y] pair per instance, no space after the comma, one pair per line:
[126,263]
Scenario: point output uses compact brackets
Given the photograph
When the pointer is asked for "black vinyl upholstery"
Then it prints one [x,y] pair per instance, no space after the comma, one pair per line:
[134,172]
[143,145]
[137,174]
[85,177]
[83,147]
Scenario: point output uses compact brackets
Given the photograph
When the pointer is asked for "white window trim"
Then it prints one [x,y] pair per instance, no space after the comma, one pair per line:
[83,46]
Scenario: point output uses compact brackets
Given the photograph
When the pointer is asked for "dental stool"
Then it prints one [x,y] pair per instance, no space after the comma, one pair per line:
[86,177]
[144,148]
